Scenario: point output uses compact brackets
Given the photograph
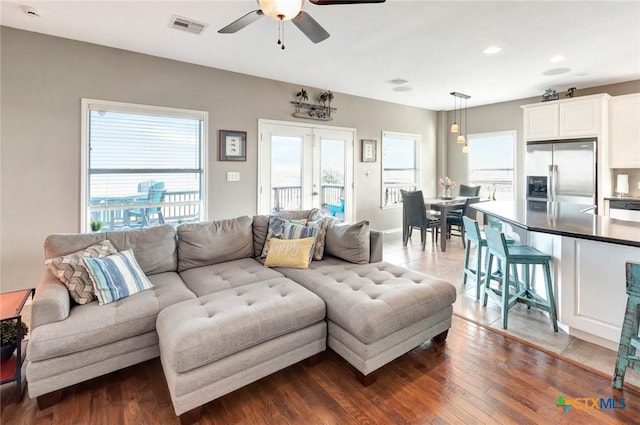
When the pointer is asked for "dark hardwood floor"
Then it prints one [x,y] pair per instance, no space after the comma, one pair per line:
[477,376]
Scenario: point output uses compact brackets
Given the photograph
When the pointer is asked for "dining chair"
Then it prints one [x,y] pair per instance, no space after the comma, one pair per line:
[466,190]
[455,222]
[415,216]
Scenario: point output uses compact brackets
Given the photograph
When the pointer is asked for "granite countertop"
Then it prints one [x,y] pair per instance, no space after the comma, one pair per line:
[564,220]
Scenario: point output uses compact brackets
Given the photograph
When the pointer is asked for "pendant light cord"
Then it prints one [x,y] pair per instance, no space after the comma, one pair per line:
[281,31]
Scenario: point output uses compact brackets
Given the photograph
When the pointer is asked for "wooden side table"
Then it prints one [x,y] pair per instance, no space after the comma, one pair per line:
[11,304]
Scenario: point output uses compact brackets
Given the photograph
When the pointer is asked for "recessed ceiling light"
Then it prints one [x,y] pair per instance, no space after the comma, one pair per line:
[402,88]
[556,71]
[492,50]
[556,58]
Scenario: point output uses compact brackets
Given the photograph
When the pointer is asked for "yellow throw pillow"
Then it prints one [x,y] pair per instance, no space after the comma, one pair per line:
[289,253]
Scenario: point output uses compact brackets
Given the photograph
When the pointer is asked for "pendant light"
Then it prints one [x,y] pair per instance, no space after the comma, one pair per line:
[454,127]
[461,139]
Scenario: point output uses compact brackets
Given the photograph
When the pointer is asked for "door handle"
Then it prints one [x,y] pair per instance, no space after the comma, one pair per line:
[550,191]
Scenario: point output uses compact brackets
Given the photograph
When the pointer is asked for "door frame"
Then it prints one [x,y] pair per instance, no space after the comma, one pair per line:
[349,187]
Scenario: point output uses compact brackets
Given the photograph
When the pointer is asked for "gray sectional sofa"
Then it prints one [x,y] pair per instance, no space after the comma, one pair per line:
[219,319]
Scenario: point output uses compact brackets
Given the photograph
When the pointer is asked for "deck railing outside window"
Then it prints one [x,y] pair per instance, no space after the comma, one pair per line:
[290,197]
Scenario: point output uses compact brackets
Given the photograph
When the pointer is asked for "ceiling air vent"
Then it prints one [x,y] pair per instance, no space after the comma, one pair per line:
[188,25]
[396,81]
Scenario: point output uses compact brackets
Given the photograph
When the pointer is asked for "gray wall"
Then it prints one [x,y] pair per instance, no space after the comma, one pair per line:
[508,116]
[42,81]
[43,78]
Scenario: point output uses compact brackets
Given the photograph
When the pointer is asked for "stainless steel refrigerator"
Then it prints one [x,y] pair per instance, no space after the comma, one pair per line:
[562,171]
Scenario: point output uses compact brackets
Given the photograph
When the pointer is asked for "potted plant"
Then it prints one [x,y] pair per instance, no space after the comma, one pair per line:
[326,99]
[302,96]
[9,337]
[96,225]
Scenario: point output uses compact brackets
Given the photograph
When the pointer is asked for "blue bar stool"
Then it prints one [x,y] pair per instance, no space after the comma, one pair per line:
[473,234]
[629,339]
[511,256]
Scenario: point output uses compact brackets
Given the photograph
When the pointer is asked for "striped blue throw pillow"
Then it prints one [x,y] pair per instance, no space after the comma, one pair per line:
[116,276]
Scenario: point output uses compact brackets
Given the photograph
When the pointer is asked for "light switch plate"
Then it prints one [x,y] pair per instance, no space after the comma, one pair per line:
[233,176]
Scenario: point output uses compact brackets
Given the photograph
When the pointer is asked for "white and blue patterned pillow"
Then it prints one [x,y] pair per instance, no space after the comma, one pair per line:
[116,276]
[276,229]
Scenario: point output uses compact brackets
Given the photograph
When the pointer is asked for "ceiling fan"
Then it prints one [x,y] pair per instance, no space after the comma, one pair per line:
[285,10]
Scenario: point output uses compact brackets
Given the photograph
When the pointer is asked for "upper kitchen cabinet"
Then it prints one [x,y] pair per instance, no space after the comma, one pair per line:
[624,136]
[566,118]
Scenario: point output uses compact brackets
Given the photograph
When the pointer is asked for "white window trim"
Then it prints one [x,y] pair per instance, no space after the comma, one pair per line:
[398,135]
[89,104]
[514,135]
[350,161]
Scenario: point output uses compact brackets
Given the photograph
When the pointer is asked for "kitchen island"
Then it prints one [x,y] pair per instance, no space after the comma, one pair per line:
[589,255]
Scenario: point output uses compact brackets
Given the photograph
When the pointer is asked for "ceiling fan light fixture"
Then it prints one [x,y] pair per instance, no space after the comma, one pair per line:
[283,10]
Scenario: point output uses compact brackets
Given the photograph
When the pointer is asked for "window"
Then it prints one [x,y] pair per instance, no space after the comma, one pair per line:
[400,159]
[141,165]
[491,159]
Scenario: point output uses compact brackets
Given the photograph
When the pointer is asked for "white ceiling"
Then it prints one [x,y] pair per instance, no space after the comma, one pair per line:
[435,45]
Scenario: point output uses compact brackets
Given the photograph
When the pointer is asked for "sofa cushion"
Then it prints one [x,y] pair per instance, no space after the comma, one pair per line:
[154,247]
[231,274]
[71,270]
[349,242]
[206,243]
[198,332]
[372,301]
[116,276]
[92,325]
[290,253]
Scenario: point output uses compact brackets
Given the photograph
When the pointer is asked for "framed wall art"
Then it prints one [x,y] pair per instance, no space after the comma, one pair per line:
[233,145]
[368,150]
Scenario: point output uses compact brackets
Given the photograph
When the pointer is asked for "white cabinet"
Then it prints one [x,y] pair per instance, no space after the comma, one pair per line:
[541,122]
[593,289]
[581,117]
[566,118]
[624,139]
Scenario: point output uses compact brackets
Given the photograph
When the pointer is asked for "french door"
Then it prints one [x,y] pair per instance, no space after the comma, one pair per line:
[304,166]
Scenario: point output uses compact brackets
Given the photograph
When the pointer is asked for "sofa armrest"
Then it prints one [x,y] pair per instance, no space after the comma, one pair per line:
[375,249]
[51,302]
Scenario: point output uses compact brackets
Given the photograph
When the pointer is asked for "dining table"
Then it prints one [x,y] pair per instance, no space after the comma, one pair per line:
[443,206]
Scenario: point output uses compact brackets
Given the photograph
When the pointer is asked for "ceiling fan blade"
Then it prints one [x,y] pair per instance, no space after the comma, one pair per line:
[238,24]
[329,2]
[310,27]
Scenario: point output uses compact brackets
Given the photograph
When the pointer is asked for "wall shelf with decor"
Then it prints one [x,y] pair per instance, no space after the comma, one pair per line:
[312,111]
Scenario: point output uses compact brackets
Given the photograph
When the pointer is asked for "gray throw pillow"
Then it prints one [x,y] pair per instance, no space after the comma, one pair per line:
[349,242]
[213,242]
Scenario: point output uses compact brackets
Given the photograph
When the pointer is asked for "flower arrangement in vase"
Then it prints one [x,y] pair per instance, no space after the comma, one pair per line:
[447,184]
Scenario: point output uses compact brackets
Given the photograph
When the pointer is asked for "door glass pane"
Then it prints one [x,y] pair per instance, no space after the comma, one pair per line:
[286,173]
[332,167]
